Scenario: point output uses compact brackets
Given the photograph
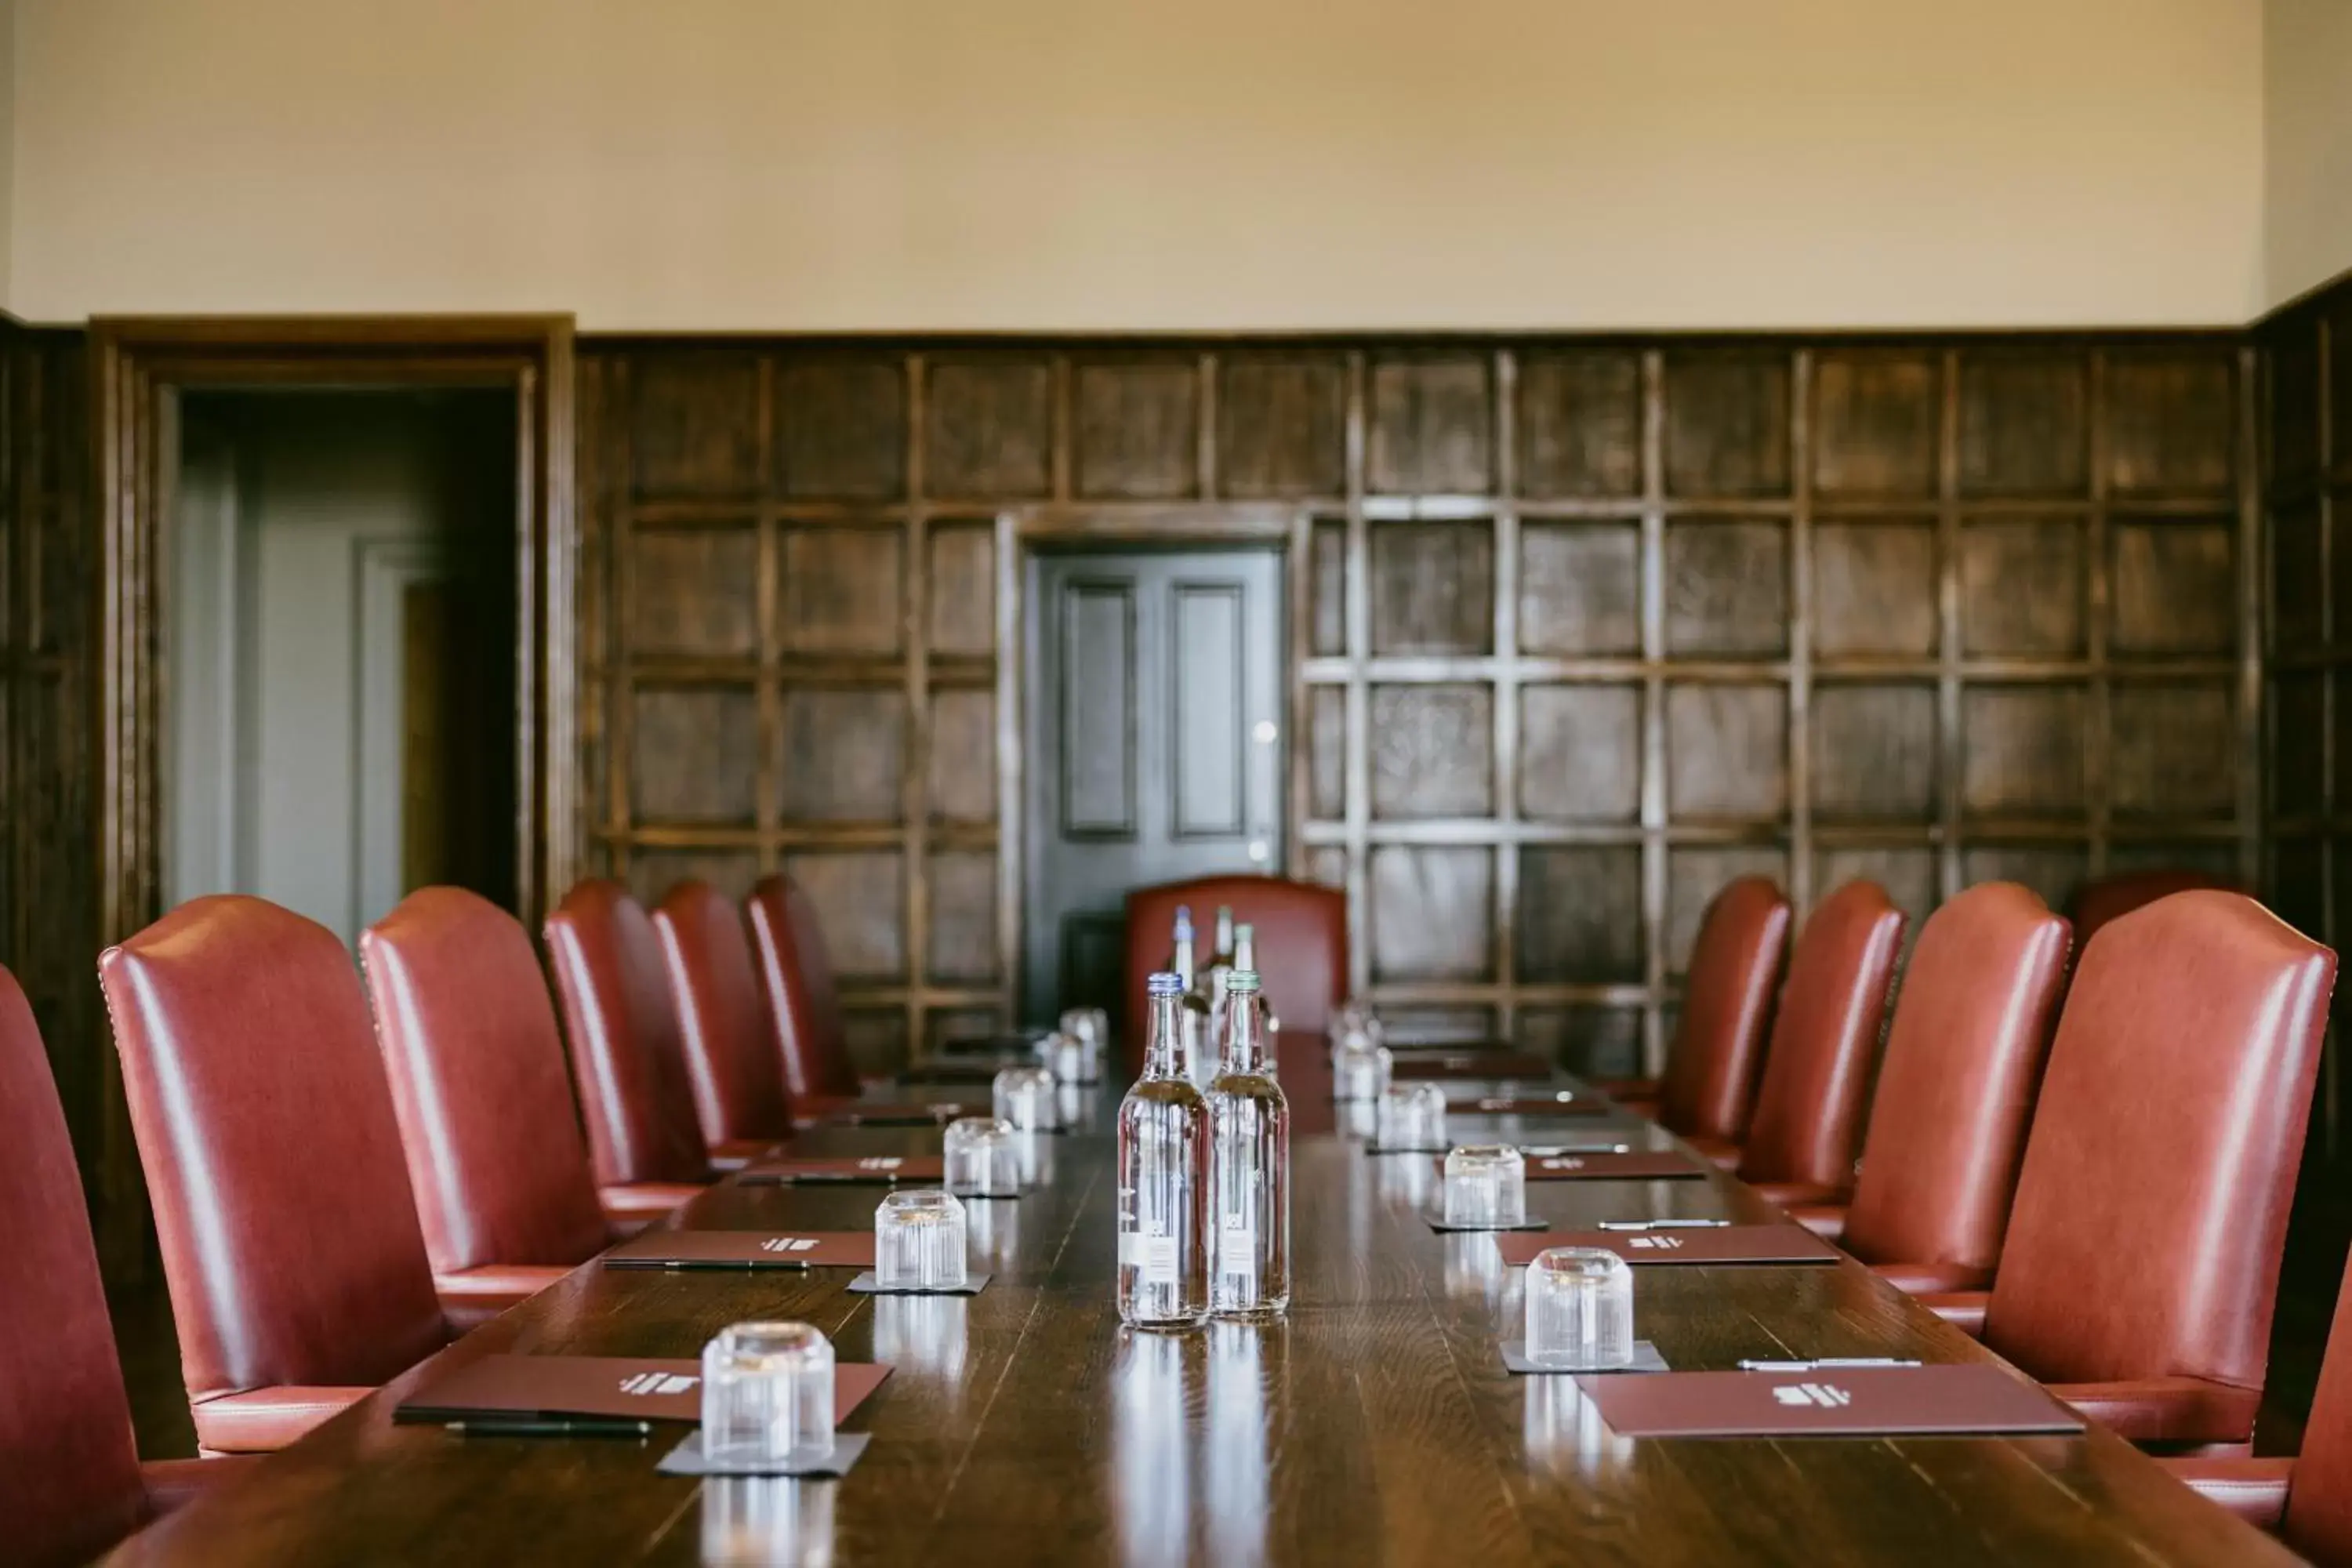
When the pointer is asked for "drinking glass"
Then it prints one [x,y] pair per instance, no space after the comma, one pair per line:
[767,1394]
[1360,1070]
[1024,1097]
[1065,1055]
[1413,1117]
[1487,1186]
[1580,1311]
[982,1159]
[918,1242]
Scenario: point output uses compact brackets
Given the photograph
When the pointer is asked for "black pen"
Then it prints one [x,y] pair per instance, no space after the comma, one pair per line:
[551,1426]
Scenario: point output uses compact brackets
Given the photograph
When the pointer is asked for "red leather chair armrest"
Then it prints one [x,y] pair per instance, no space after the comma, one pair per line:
[1793,1196]
[175,1483]
[472,1296]
[1721,1153]
[2253,1489]
[2166,1409]
[1934,1278]
[1824,1220]
[630,1207]
[1964,1310]
[738,1153]
[263,1420]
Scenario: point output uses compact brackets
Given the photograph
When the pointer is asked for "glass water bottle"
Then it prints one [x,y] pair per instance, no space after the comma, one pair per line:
[1249,1166]
[1163,1180]
[1193,1045]
[1245,957]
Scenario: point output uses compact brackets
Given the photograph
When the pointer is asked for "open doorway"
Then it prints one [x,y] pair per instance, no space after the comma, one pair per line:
[341,624]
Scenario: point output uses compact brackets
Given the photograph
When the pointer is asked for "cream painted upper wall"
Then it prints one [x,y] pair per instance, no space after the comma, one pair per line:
[1131,164]
[2307,145]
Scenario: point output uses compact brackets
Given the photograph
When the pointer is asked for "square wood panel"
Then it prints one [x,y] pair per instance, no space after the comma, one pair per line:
[2051,870]
[841,426]
[694,591]
[2214,859]
[1726,424]
[2339,680]
[962,589]
[860,897]
[1432,587]
[1875,422]
[695,424]
[842,754]
[1581,753]
[1328,564]
[962,785]
[1430,426]
[693,754]
[2297,881]
[1597,1042]
[2023,587]
[1432,751]
[1728,750]
[653,872]
[1907,875]
[1326,753]
[2174,585]
[989,429]
[2298,724]
[1581,588]
[844,590]
[877,1040]
[2024,423]
[1696,872]
[961,941]
[1432,915]
[2172,749]
[2294,424]
[1874,589]
[1282,423]
[1580,424]
[1327,865]
[1139,427]
[2022,750]
[2172,422]
[1580,915]
[2298,580]
[1875,751]
[1727,589]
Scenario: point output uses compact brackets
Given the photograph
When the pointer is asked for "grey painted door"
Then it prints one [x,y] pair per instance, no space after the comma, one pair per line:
[1153,747]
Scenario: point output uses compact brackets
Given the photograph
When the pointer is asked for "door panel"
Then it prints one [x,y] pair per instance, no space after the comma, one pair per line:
[1153,703]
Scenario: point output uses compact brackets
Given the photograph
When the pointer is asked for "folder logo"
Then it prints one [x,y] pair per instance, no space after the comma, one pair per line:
[1493,1104]
[656,1383]
[881,1163]
[789,1244]
[1657,1243]
[1563,1162]
[1813,1395]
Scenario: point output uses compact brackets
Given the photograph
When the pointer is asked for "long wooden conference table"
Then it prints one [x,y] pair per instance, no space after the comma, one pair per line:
[1376,1424]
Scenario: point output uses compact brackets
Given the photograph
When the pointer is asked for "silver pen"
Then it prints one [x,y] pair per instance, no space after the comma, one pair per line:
[1547,1150]
[1830,1362]
[1664,1224]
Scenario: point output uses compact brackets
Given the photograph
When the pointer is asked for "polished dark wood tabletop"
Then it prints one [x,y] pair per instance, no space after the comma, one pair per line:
[1376,1424]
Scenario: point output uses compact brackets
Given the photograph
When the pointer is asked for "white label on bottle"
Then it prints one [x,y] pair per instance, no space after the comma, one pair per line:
[1159,1259]
[1237,1246]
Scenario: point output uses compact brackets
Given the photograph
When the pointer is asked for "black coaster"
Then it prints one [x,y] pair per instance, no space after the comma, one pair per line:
[1437,1222]
[1645,1359]
[1372,1147]
[686,1459]
[964,1197]
[866,1285]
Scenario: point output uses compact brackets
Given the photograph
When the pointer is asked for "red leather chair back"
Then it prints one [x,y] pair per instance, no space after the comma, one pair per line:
[626,1058]
[1302,945]
[1956,1090]
[797,979]
[264,1125]
[1710,1086]
[731,1056]
[2145,1241]
[1817,1070]
[2109,898]
[72,1485]
[2319,1521]
[495,1156]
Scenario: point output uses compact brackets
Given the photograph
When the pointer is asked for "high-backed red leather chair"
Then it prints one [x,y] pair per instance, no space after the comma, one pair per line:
[72,1485]
[2142,1259]
[628,1060]
[2306,1500]
[2108,898]
[1956,1091]
[495,1158]
[1302,944]
[796,978]
[289,1240]
[733,1062]
[1710,1088]
[1800,1142]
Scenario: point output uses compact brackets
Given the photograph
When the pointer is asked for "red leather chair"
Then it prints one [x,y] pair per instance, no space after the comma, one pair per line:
[732,1060]
[1800,1142]
[1710,1088]
[73,1484]
[1302,943]
[298,1275]
[796,978]
[2109,897]
[626,1057]
[495,1157]
[2142,1258]
[1956,1092]
[2306,1500]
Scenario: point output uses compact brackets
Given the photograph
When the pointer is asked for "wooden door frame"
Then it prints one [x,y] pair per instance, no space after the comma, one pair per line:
[139,366]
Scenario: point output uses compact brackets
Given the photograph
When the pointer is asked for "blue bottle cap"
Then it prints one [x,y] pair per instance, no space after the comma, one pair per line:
[1183,922]
[1167,984]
